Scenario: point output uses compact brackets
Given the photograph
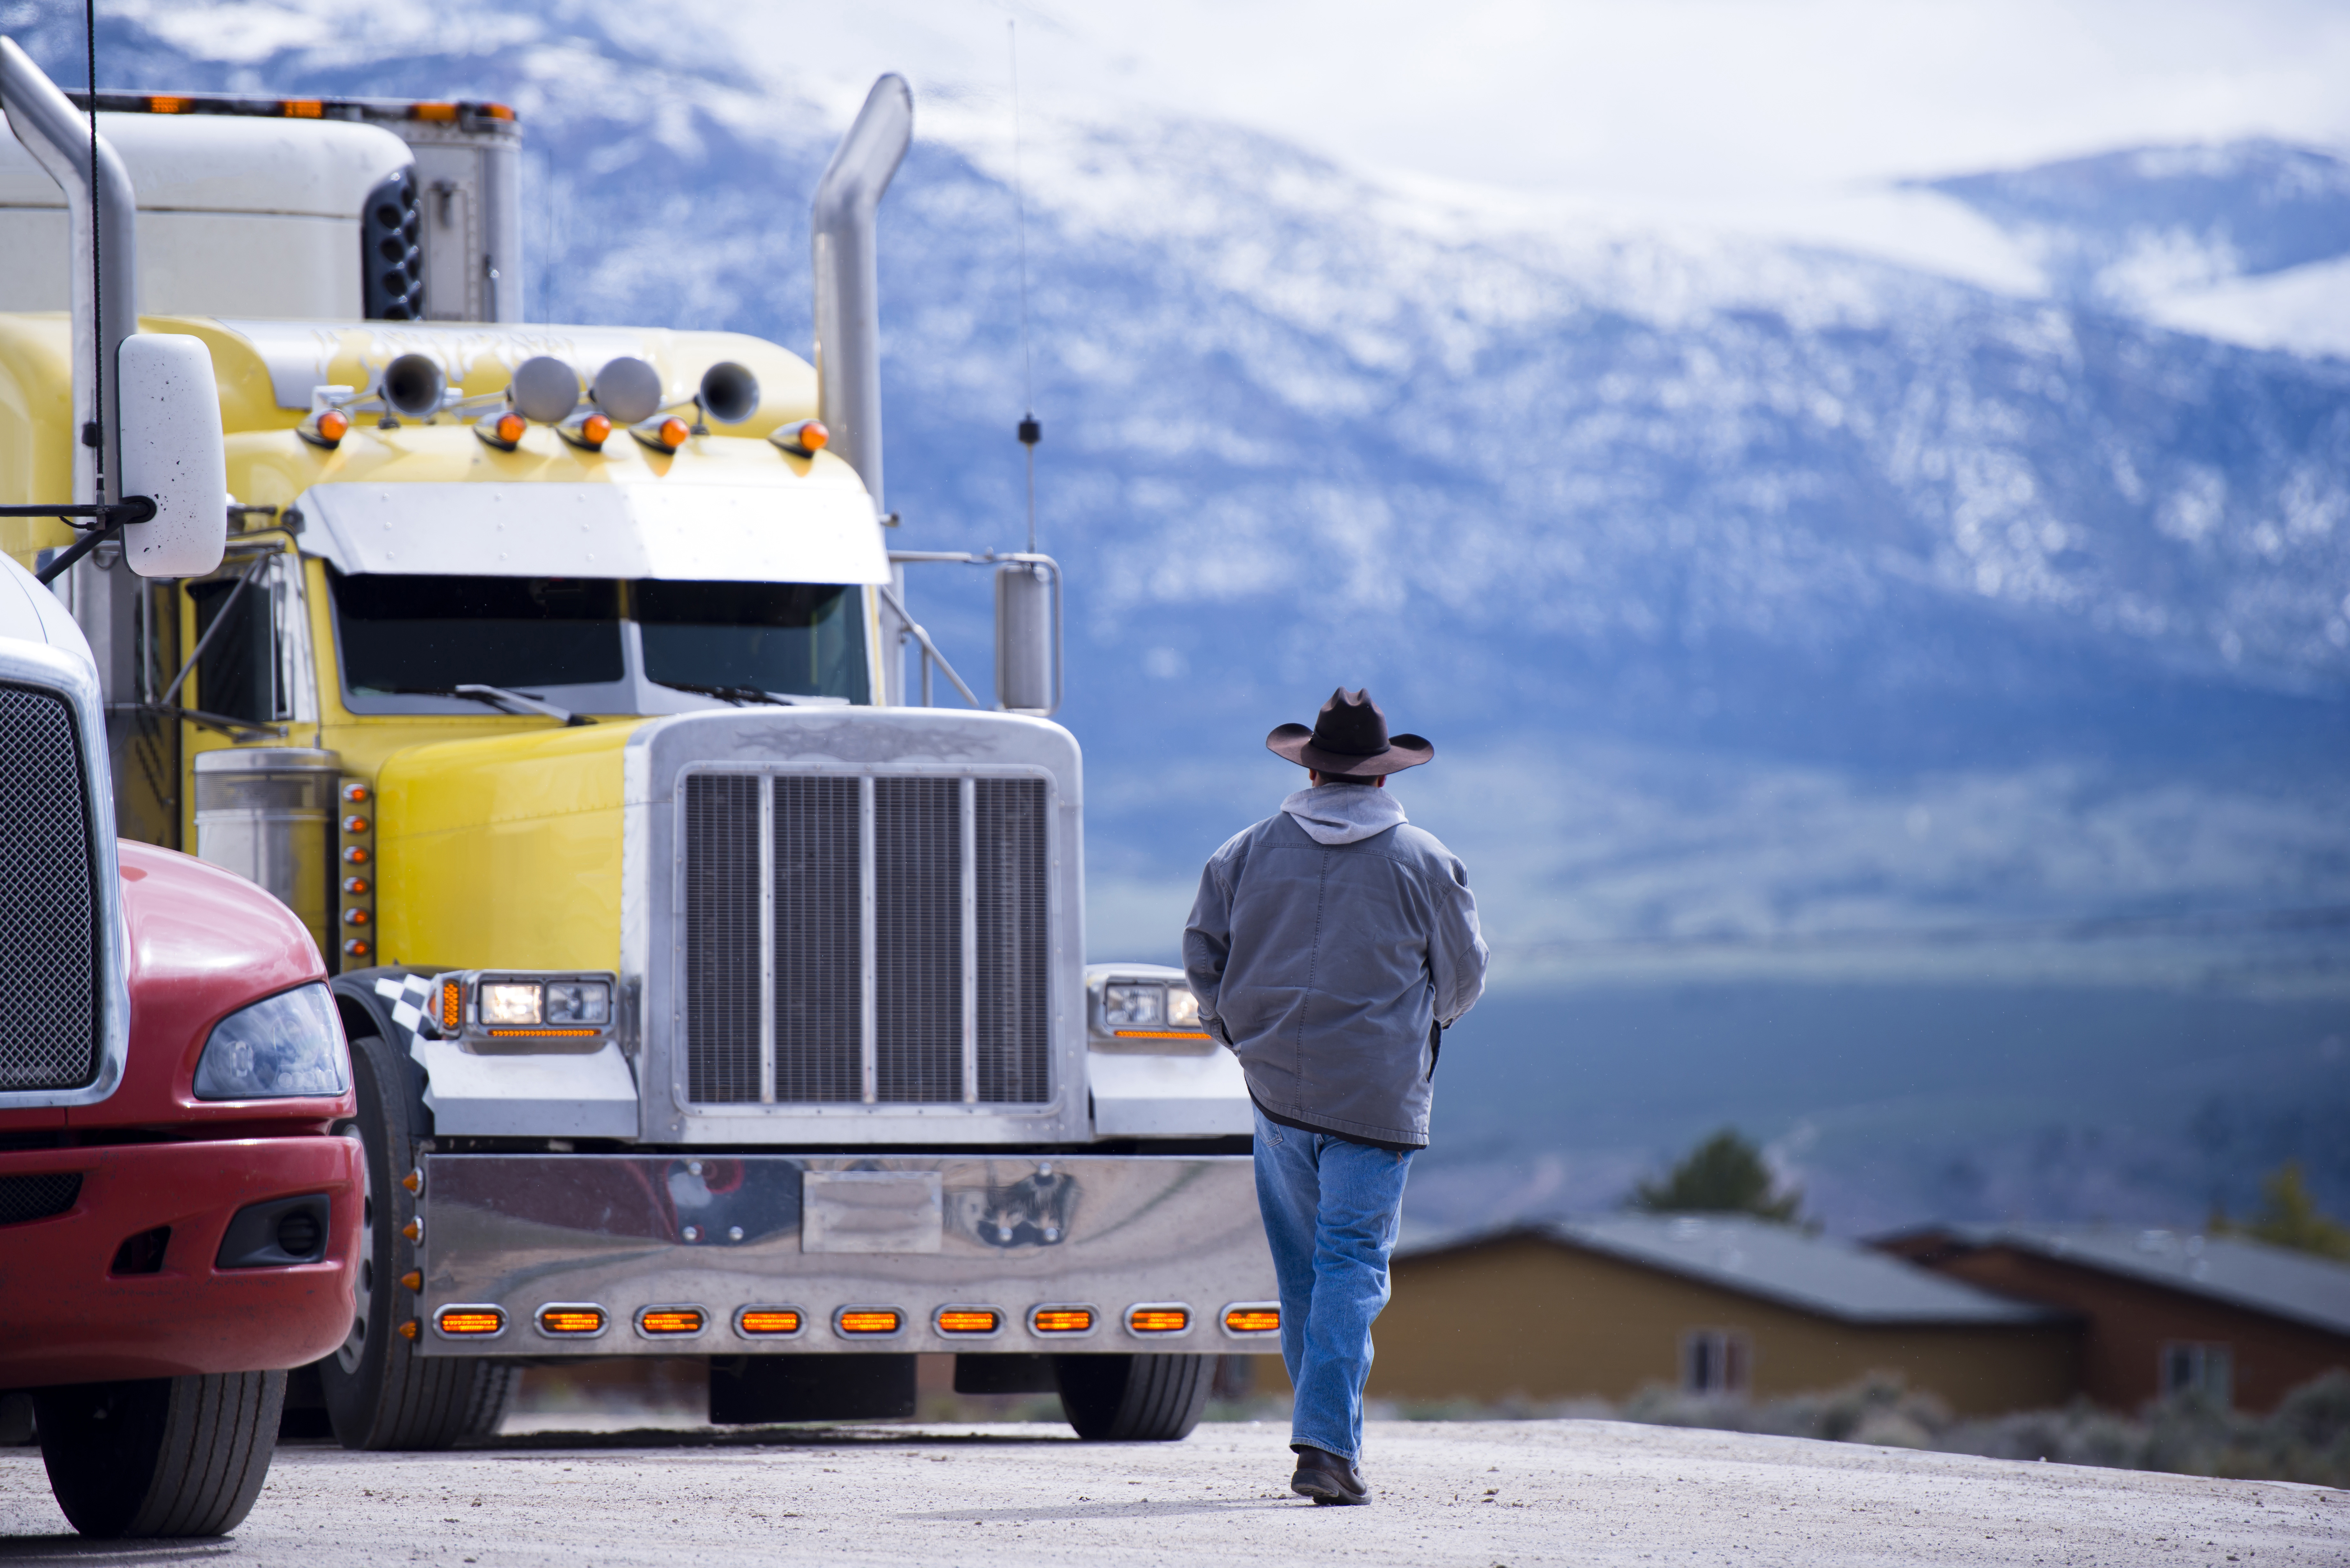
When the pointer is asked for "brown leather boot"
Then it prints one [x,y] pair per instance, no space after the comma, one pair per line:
[1325,1478]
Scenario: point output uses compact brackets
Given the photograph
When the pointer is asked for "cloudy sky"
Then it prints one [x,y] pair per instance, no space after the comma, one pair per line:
[1673,100]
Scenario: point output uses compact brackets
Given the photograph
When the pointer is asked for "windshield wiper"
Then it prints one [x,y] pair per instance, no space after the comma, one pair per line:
[497,696]
[737,695]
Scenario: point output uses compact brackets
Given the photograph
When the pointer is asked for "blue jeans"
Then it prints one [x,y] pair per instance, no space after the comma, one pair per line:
[1330,1208]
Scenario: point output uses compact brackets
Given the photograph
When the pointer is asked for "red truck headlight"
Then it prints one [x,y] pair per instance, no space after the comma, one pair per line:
[282,1047]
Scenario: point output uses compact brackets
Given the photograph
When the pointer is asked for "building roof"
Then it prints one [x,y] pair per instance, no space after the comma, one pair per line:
[2251,1275]
[1777,1263]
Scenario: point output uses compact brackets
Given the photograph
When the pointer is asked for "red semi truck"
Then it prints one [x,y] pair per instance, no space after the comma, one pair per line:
[181,1199]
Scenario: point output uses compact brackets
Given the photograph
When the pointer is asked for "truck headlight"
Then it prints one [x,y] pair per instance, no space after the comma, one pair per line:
[1135,1006]
[509,1002]
[579,1001]
[289,1045]
[1183,1007]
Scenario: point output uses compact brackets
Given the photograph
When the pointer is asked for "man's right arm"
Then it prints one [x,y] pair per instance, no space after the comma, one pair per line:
[1208,942]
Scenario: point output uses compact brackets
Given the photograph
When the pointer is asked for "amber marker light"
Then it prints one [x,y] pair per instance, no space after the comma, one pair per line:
[1159,1320]
[672,432]
[356,824]
[357,948]
[356,794]
[356,916]
[757,1321]
[510,428]
[805,439]
[439,112]
[969,1320]
[302,107]
[327,428]
[356,887]
[1161,1033]
[470,1322]
[571,1319]
[162,103]
[1062,1320]
[496,112]
[663,1322]
[1252,1320]
[449,1006]
[597,428]
[543,1033]
[356,854]
[869,1320]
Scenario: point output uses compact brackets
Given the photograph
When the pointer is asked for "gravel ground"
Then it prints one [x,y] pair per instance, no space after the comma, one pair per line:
[1482,1495]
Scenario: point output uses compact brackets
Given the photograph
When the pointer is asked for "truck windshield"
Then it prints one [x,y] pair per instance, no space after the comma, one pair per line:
[417,635]
[429,634]
[797,638]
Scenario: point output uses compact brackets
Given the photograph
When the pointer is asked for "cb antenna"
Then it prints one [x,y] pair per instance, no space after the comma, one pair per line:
[1030,431]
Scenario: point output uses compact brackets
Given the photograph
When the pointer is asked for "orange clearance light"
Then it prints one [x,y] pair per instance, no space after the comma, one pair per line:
[510,428]
[356,794]
[969,1320]
[356,916]
[356,854]
[571,1319]
[474,1321]
[672,432]
[356,885]
[163,103]
[1252,1320]
[544,1033]
[408,1329]
[870,1322]
[1161,1033]
[444,112]
[1159,1320]
[805,439]
[670,1320]
[449,1009]
[334,424]
[356,824]
[357,948]
[496,112]
[768,1320]
[597,428]
[301,107]
[1062,1320]
[413,1281]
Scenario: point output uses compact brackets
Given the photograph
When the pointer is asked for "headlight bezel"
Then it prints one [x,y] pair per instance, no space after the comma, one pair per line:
[231,1067]
[1138,1010]
[494,1012]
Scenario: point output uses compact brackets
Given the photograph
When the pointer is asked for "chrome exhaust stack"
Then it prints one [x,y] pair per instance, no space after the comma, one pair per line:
[101,211]
[849,307]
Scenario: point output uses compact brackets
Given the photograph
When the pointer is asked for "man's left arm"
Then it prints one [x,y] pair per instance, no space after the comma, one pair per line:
[1456,949]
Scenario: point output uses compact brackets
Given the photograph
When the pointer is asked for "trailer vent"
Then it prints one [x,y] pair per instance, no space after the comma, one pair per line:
[875,940]
[49,901]
[392,252]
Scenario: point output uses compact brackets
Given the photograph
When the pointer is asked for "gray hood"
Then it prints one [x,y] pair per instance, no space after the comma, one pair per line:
[1342,813]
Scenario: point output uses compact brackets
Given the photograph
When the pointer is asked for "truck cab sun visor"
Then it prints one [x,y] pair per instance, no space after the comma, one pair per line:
[818,529]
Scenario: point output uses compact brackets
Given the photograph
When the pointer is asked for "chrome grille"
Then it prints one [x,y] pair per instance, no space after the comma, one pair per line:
[1015,948]
[902,921]
[817,1056]
[722,937]
[50,956]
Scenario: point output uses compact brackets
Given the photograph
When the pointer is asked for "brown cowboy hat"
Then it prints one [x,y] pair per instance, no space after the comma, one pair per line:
[1349,740]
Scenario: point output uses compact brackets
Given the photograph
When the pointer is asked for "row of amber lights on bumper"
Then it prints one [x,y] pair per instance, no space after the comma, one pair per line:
[662,433]
[585,1320]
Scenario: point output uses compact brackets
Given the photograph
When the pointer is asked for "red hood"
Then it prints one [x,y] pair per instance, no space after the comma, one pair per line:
[203,943]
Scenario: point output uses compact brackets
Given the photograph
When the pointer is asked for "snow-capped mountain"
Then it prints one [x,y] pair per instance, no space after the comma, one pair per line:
[1754,592]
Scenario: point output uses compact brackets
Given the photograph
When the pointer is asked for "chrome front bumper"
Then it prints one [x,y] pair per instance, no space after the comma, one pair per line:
[642,1238]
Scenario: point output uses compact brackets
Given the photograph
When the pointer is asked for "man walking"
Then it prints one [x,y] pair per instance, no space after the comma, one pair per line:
[1329,946]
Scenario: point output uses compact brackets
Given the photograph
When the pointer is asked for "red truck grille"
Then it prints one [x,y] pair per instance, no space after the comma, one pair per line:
[49,969]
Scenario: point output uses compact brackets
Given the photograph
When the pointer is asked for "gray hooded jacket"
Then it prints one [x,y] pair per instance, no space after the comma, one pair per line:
[1328,945]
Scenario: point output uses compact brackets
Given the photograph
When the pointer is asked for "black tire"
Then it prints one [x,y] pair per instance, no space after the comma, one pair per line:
[1134,1398]
[379,1394]
[165,1456]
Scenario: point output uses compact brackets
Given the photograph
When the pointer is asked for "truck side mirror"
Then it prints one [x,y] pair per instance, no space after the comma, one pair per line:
[1028,635]
[172,454]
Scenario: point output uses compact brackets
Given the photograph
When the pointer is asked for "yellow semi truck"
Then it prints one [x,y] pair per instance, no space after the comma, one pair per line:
[706,997]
